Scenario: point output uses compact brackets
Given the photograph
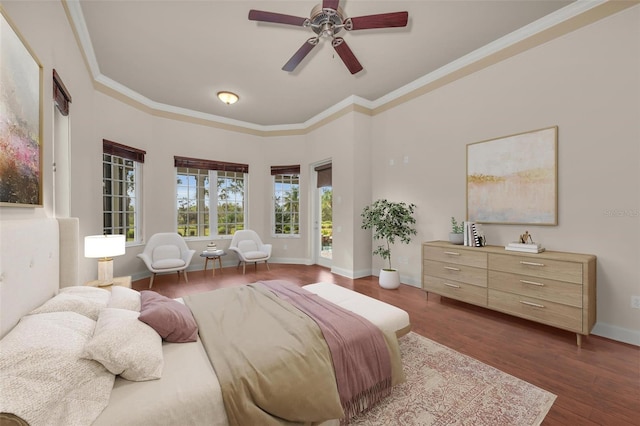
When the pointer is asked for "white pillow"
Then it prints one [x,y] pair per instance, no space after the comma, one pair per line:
[87,303]
[97,294]
[124,298]
[126,346]
[44,380]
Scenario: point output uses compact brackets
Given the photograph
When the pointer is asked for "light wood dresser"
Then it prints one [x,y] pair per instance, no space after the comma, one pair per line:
[553,288]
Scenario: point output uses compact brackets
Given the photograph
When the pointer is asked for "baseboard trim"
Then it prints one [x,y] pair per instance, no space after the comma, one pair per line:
[620,334]
[349,273]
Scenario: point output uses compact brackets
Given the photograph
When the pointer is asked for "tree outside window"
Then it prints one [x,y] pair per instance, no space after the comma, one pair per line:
[195,217]
[286,204]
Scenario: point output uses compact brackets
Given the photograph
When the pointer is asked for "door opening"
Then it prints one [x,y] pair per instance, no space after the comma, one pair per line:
[323,240]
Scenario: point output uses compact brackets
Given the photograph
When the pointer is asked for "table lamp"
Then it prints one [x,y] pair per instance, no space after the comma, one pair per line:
[104,247]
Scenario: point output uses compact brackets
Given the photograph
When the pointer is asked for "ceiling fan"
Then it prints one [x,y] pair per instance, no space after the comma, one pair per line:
[327,20]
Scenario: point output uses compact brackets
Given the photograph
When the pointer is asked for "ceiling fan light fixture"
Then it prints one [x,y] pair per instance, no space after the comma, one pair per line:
[228,98]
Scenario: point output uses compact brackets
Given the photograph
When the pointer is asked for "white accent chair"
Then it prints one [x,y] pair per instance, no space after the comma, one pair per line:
[249,248]
[166,252]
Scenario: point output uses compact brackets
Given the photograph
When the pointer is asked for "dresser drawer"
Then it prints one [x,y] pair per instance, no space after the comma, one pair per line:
[555,314]
[541,288]
[456,290]
[457,256]
[537,267]
[456,272]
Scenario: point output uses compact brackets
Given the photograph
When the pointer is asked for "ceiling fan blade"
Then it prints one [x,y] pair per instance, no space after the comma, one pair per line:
[300,54]
[347,56]
[330,4]
[278,18]
[383,20]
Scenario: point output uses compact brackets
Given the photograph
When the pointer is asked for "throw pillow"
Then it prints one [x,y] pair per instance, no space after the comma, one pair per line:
[124,298]
[169,318]
[126,346]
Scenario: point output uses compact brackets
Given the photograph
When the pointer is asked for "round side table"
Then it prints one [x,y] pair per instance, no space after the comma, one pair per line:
[214,257]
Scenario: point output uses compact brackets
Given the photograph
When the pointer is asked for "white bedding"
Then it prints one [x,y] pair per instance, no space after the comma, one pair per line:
[187,394]
[188,391]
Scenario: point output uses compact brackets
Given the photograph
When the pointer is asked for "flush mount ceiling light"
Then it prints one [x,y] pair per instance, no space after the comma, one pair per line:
[228,97]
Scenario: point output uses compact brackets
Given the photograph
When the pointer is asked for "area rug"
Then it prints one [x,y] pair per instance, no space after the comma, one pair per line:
[445,387]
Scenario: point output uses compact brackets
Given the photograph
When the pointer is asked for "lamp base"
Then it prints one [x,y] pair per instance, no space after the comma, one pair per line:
[105,272]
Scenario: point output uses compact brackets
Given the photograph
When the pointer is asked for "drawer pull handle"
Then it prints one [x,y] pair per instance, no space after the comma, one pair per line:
[451,285]
[532,283]
[531,263]
[451,268]
[452,253]
[535,305]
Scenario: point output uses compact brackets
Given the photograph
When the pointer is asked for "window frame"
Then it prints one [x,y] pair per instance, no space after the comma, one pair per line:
[124,154]
[213,169]
[285,173]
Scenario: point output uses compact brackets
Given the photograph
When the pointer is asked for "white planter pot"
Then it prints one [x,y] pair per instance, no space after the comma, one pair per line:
[456,238]
[389,279]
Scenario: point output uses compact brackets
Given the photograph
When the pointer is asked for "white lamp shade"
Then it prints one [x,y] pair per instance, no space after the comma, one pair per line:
[103,246]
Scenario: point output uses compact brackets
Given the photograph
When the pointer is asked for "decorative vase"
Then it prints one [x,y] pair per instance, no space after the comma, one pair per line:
[389,278]
[456,238]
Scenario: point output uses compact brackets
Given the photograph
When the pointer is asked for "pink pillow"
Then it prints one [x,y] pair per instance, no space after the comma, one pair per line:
[172,320]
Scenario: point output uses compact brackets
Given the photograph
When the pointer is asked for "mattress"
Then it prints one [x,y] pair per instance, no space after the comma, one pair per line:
[383,315]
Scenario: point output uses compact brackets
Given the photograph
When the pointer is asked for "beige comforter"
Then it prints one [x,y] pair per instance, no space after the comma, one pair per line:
[291,382]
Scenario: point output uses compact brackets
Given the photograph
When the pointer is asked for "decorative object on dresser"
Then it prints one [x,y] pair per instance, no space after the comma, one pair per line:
[104,247]
[388,221]
[456,236]
[525,244]
[551,287]
[525,248]
[473,235]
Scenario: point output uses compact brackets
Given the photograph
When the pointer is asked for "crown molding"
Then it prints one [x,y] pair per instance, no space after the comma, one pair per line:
[353,103]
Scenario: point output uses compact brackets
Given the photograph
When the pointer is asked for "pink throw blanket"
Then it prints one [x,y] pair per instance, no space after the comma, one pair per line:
[358,349]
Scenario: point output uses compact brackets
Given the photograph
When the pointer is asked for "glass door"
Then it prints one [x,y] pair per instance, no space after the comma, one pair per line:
[326,224]
[323,216]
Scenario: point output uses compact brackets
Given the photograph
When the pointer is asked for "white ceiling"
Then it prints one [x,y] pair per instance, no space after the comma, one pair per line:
[176,55]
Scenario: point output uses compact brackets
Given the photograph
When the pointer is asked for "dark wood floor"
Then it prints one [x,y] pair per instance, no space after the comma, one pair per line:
[598,384]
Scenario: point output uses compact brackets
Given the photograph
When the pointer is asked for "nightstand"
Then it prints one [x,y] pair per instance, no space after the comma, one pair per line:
[120,281]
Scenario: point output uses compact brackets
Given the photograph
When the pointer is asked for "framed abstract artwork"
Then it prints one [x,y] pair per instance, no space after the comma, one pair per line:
[514,179]
[20,120]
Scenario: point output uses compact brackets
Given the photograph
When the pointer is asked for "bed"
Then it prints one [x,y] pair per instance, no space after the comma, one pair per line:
[39,263]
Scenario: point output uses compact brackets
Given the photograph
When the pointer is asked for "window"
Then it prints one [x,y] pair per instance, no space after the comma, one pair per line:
[61,149]
[122,184]
[286,200]
[194,215]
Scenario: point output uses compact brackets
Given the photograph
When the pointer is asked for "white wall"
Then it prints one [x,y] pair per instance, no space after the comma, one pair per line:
[342,141]
[162,139]
[586,82]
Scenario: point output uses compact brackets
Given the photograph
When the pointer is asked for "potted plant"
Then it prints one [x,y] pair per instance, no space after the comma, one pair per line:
[456,236]
[389,221]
